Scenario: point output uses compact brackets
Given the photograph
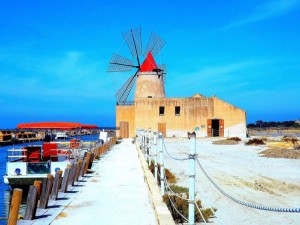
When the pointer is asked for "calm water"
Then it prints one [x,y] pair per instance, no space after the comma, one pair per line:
[6,191]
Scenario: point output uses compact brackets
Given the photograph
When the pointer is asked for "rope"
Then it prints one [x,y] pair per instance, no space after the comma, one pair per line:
[177,195]
[167,186]
[179,159]
[260,207]
[174,193]
[200,212]
[176,209]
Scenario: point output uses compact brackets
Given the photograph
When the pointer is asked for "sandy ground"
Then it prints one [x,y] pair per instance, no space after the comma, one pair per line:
[117,194]
[242,173]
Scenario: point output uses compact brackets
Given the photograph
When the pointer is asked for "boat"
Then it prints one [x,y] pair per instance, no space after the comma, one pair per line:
[61,135]
[33,162]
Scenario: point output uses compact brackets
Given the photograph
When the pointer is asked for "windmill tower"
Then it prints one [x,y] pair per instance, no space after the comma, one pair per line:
[150,76]
[150,82]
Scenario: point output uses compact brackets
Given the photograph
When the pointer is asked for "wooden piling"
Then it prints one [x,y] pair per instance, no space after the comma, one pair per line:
[45,195]
[72,175]
[60,179]
[14,207]
[77,172]
[79,169]
[39,185]
[65,181]
[56,185]
[43,191]
[83,168]
[31,203]
[90,157]
[87,162]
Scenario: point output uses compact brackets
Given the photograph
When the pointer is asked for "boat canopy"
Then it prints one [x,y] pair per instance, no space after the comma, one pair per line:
[88,126]
[55,125]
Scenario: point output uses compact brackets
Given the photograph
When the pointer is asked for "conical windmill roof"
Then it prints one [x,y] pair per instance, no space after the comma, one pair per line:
[149,64]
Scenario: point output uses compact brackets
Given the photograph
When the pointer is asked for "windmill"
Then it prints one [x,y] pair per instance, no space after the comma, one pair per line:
[148,73]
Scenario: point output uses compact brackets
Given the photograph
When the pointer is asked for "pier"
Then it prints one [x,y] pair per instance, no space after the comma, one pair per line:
[118,189]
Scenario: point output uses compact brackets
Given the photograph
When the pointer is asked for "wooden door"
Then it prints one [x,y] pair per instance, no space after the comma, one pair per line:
[124,129]
[162,129]
[221,128]
[209,124]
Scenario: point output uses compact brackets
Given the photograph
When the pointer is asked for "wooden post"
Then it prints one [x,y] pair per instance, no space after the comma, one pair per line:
[15,206]
[77,172]
[72,175]
[65,181]
[45,197]
[96,152]
[56,185]
[60,179]
[79,169]
[31,203]
[83,168]
[87,162]
[38,184]
[43,191]
[90,156]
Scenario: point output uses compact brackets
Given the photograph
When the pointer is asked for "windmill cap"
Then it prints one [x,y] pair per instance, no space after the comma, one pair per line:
[149,64]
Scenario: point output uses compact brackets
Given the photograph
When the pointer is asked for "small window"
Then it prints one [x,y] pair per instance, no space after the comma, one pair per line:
[177,110]
[149,96]
[161,110]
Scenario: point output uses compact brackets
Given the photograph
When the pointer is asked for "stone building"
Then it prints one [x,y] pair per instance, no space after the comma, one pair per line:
[174,117]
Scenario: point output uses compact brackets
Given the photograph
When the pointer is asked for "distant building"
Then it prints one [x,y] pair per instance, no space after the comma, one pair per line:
[207,116]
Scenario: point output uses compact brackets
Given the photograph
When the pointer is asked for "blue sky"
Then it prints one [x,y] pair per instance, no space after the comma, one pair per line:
[54,55]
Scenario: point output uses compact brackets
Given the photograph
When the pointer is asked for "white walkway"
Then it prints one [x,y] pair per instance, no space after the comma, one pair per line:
[117,194]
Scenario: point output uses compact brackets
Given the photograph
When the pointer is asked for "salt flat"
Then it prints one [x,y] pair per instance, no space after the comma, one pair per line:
[241,172]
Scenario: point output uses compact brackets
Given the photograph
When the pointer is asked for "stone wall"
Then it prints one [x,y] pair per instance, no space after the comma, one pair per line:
[126,113]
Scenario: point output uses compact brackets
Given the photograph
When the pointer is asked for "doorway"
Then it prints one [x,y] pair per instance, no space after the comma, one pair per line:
[162,129]
[215,128]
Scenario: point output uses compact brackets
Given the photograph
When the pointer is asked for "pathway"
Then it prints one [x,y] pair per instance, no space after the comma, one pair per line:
[116,194]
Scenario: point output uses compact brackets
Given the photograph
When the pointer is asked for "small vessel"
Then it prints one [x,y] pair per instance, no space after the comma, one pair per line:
[61,135]
[33,162]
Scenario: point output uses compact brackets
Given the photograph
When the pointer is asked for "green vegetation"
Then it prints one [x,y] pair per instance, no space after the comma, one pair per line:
[169,175]
[293,140]
[255,141]
[179,189]
[182,206]
[283,124]
[234,139]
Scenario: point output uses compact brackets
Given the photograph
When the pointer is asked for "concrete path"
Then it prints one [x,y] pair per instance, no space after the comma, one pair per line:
[116,194]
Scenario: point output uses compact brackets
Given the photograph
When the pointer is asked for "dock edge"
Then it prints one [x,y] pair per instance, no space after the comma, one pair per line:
[163,215]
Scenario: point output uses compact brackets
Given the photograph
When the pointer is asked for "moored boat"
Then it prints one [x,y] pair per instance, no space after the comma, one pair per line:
[33,162]
[61,135]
